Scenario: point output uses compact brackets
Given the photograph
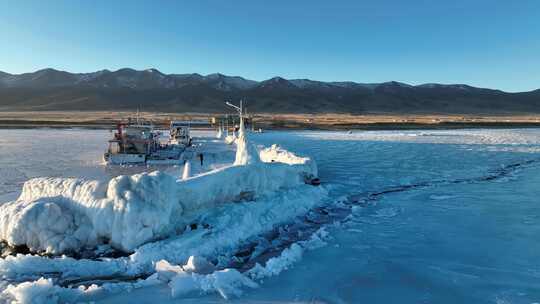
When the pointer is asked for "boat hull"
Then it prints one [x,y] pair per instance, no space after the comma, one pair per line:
[121,159]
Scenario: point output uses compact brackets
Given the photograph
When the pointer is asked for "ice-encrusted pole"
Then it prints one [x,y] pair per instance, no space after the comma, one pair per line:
[245,152]
[187,170]
[219,133]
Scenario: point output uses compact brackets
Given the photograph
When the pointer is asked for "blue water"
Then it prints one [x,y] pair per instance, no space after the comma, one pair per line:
[472,242]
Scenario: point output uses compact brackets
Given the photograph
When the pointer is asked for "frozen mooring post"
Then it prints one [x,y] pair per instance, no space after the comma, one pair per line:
[187,170]
[245,152]
[219,134]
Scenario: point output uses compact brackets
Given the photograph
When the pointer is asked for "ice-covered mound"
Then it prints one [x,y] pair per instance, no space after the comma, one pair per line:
[275,153]
[61,214]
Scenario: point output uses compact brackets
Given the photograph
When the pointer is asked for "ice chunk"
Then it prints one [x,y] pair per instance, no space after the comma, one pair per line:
[52,225]
[182,284]
[277,154]
[228,283]
[166,271]
[198,264]
[41,291]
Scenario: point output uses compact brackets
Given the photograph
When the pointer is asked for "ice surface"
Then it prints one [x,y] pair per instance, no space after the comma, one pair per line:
[468,242]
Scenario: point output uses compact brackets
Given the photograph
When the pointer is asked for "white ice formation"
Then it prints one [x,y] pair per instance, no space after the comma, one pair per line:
[58,215]
[246,153]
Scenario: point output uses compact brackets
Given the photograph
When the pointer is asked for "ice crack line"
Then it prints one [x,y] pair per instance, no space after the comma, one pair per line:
[258,251]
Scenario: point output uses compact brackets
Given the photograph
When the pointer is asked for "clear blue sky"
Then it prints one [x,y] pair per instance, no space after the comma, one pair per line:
[487,43]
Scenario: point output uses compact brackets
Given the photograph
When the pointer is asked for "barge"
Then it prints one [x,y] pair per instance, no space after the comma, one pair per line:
[137,142]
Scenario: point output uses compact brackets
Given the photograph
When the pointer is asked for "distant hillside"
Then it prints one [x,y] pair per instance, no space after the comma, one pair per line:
[151,90]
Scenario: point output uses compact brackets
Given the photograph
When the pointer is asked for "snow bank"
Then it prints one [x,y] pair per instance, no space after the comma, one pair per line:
[62,214]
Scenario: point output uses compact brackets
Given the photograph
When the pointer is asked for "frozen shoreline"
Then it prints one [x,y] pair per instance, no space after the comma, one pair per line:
[280,121]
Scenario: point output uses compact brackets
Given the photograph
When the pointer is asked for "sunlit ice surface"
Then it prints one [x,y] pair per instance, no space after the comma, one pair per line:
[435,216]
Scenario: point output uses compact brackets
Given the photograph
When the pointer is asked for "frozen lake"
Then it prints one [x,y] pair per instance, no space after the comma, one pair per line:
[433,216]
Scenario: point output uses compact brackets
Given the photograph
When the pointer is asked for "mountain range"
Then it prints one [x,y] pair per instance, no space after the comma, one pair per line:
[151,90]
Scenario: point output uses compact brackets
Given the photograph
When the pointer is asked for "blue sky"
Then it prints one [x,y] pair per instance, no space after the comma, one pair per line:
[484,43]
